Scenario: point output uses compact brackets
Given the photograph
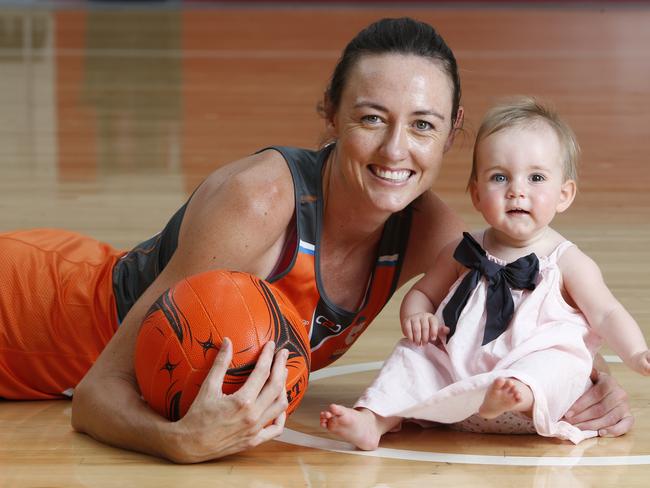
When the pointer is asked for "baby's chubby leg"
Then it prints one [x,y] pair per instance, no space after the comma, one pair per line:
[361,427]
[506,395]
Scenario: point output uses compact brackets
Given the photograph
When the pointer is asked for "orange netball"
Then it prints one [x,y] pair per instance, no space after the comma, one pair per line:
[183,330]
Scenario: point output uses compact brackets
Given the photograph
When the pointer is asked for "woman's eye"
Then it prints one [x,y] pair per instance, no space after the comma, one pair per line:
[371,119]
[423,125]
[537,178]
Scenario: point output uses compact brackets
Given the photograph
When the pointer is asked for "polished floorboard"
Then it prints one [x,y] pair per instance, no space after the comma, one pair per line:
[111,116]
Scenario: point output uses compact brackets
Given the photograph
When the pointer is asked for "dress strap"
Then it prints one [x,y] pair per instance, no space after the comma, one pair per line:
[559,250]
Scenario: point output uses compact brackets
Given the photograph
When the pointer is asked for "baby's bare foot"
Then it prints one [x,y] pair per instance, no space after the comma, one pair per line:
[358,427]
[502,396]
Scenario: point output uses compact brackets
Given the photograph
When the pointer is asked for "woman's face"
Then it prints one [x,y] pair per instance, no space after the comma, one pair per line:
[392,127]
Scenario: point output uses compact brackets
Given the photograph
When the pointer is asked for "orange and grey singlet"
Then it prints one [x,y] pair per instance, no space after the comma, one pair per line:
[332,330]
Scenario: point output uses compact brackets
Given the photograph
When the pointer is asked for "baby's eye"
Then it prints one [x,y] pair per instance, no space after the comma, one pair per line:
[537,178]
[499,178]
[423,125]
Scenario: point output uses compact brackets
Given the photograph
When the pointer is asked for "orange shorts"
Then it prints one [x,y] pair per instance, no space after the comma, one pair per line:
[57,310]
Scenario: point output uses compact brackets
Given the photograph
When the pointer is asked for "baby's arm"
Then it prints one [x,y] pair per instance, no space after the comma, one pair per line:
[420,303]
[584,283]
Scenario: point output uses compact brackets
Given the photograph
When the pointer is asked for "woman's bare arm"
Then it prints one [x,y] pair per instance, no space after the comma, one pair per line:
[226,225]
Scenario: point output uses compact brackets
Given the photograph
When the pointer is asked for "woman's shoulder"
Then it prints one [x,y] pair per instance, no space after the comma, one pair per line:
[239,216]
[256,191]
[253,168]
[435,228]
[430,209]
[255,179]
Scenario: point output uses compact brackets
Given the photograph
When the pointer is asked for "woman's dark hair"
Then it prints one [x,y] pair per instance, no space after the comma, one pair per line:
[399,36]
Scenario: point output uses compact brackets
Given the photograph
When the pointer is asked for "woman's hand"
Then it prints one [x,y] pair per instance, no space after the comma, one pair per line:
[217,425]
[603,407]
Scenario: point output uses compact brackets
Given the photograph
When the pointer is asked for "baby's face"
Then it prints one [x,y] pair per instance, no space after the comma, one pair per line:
[520,183]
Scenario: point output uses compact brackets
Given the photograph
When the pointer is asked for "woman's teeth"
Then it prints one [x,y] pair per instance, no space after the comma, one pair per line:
[392,175]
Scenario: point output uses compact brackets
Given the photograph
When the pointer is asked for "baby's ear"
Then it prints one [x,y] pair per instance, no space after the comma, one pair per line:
[473,191]
[567,195]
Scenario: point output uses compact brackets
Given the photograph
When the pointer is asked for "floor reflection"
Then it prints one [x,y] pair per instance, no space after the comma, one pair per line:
[120,97]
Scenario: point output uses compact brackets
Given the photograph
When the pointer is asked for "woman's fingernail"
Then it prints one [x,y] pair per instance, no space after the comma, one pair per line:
[569,414]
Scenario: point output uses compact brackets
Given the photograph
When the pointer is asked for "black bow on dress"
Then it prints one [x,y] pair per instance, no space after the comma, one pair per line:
[520,274]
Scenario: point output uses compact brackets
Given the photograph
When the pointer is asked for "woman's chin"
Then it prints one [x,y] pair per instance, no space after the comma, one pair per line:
[390,204]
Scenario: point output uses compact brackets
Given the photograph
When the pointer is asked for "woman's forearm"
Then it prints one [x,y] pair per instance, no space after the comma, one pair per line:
[107,406]
[112,412]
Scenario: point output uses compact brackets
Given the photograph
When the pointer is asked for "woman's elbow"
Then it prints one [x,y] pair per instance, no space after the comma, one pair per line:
[81,400]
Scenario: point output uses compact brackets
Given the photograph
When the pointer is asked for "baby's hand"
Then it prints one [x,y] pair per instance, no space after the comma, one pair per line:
[641,362]
[423,327]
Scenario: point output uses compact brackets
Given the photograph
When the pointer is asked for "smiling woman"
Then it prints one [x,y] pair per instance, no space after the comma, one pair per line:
[392,128]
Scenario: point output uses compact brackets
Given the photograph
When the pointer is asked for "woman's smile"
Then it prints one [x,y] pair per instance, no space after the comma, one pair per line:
[390,175]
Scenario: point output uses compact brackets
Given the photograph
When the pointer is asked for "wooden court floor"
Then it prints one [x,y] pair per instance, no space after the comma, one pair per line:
[111,116]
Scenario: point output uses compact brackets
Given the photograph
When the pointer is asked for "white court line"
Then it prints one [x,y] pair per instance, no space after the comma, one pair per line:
[343,370]
[613,359]
[290,436]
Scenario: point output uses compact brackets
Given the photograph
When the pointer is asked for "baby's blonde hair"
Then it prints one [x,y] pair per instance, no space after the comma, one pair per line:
[522,111]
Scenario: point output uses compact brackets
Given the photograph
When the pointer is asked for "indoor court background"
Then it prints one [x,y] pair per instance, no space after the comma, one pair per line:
[111,113]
